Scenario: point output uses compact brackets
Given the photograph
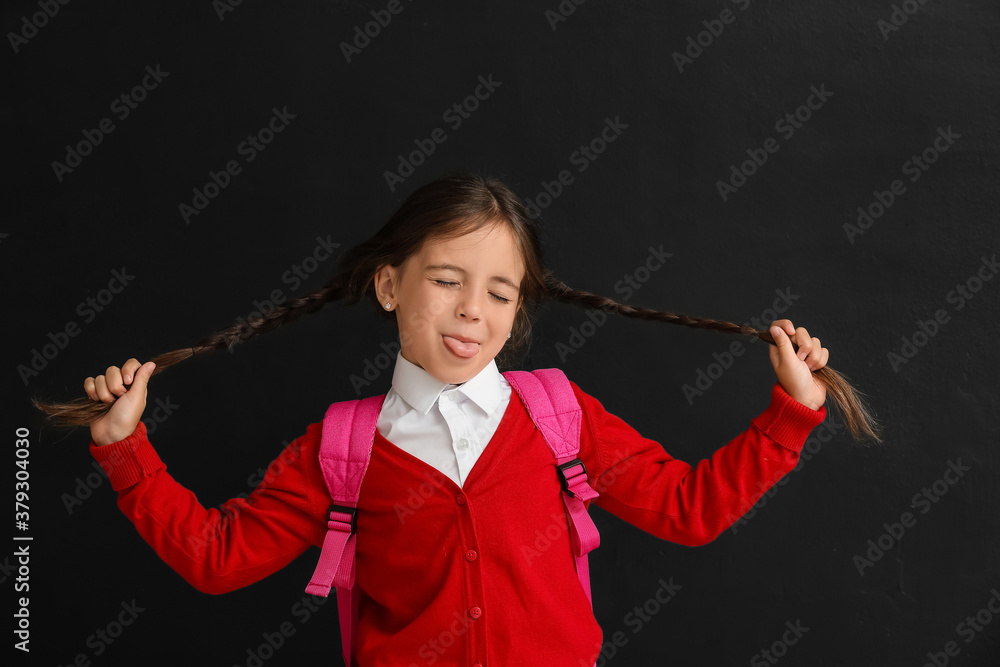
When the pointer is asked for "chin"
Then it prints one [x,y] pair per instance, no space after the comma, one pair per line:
[457,371]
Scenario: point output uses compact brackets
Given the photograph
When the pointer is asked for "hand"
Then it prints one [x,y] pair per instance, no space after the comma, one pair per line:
[123,417]
[794,369]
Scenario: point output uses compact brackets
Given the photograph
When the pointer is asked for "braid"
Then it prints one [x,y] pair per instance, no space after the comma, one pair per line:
[845,397]
[560,291]
[454,204]
[82,411]
[287,312]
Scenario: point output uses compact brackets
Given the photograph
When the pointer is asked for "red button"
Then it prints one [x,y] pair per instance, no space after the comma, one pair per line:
[478,664]
[471,555]
[460,499]
[475,612]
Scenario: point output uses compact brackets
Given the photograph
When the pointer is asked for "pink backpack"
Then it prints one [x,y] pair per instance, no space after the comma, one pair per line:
[345,450]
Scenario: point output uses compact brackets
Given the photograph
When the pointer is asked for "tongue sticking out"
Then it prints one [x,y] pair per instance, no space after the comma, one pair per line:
[460,349]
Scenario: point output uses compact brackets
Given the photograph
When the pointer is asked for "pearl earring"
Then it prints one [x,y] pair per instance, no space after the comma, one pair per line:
[388,305]
[508,334]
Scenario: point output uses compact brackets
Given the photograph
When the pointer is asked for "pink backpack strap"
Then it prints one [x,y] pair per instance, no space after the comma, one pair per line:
[345,450]
[549,399]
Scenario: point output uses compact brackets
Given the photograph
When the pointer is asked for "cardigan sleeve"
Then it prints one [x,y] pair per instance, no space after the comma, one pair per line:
[641,483]
[221,549]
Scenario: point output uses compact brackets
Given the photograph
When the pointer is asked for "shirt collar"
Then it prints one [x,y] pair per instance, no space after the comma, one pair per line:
[421,390]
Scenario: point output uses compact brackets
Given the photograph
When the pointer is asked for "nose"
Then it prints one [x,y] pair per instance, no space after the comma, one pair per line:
[469,305]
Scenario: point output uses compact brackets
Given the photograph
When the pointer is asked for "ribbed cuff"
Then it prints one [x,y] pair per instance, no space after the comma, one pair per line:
[127,461]
[786,421]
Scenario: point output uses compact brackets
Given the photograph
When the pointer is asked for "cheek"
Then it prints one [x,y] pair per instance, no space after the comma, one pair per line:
[432,301]
[503,324]
[420,304]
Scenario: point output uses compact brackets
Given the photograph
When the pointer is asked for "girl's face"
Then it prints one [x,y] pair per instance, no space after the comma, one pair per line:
[455,301]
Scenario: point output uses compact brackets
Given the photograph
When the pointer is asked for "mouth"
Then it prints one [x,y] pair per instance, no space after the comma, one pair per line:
[460,346]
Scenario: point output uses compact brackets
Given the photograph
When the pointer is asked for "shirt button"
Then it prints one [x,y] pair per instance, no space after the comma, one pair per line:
[462,444]
[471,555]
[475,612]
[460,499]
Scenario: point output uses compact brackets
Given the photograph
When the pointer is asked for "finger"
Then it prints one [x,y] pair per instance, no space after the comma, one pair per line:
[101,387]
[89,387]
[143,374]
[783,346]
[128,370]
[804,342]
[824,360]
[140,383]
[786,326]
[113,378]
[815,354]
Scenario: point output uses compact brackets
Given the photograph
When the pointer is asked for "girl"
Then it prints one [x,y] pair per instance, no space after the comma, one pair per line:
[458,269]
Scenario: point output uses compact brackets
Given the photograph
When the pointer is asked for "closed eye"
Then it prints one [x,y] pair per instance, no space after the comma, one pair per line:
[451,283]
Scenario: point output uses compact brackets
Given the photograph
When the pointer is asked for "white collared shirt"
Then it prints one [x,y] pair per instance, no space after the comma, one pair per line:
[445,425]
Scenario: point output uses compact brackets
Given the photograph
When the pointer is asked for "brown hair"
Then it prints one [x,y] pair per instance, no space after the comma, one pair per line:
[452,205]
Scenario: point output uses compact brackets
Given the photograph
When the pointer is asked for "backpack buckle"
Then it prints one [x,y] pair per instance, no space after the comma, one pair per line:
[564,467]
[344,509]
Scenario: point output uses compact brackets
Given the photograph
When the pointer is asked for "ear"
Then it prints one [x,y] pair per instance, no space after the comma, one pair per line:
[386,280]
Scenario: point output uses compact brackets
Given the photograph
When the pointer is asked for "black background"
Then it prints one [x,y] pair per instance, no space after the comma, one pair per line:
[323,176]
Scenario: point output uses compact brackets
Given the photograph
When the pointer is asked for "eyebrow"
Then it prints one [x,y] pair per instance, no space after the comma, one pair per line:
[458,269]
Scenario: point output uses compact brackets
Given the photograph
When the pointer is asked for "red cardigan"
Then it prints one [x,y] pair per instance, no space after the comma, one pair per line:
[481,574]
